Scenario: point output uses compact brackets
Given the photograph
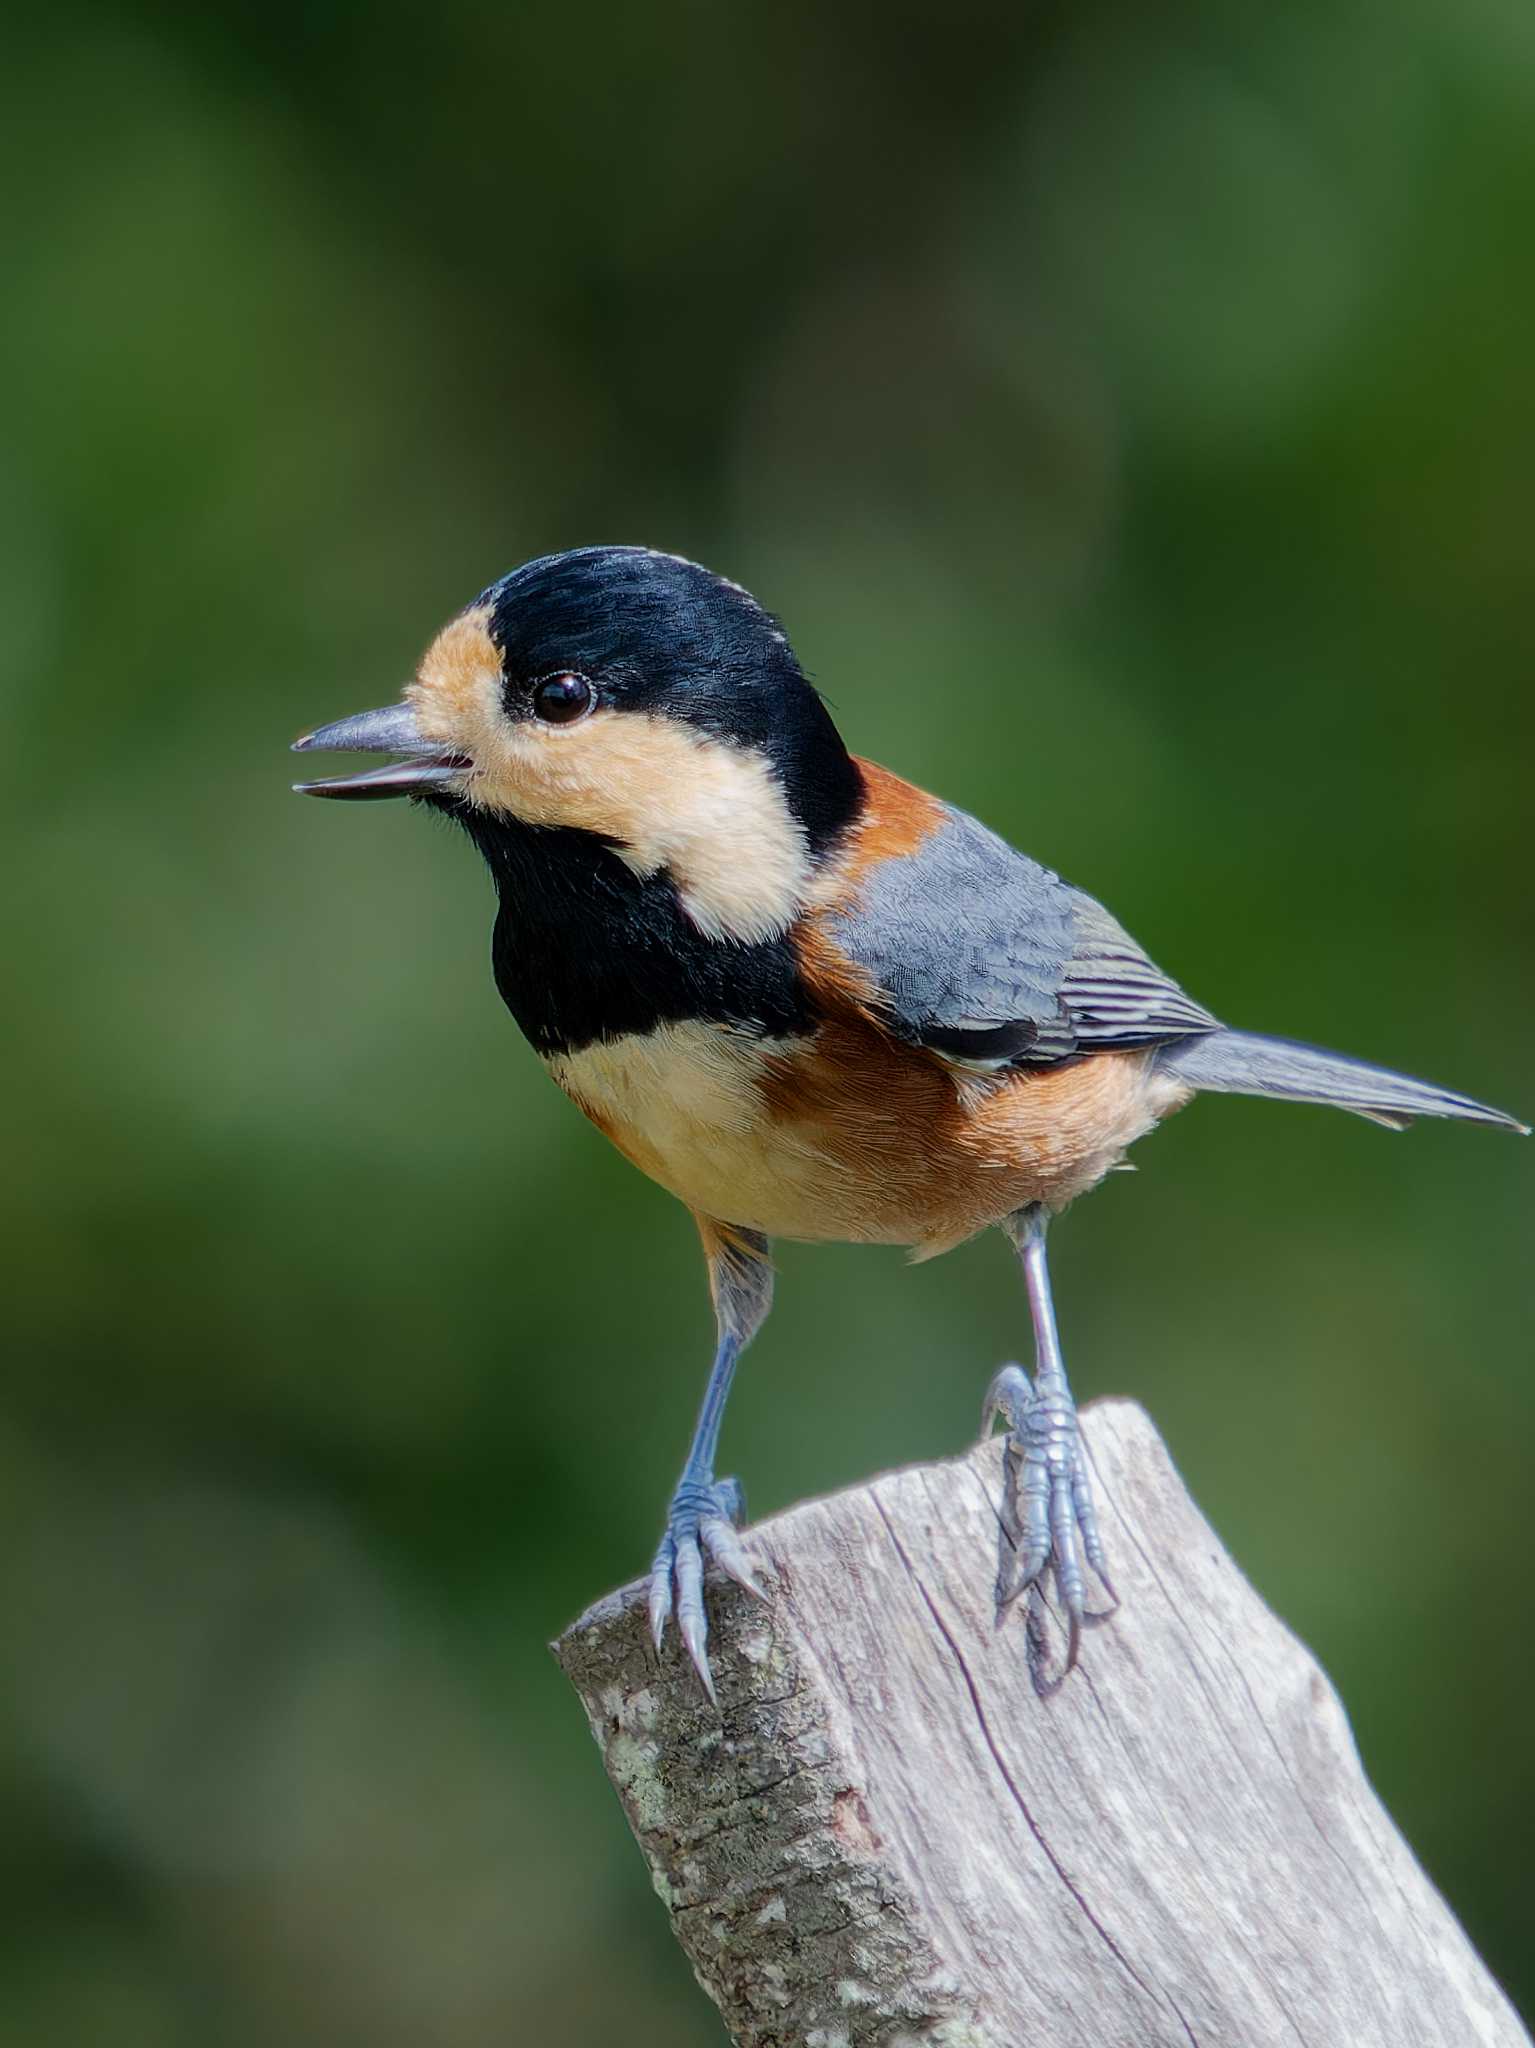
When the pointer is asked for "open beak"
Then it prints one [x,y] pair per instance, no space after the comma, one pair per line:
[393,730]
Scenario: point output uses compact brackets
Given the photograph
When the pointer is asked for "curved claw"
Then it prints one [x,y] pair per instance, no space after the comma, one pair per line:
[692,1623]
[723,1544]
[661,1588]
[1073,1639]
[1047,1683]
[1009,1390]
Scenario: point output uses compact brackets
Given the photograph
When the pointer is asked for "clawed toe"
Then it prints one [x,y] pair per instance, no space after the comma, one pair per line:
[701,1528]
[1049,1523]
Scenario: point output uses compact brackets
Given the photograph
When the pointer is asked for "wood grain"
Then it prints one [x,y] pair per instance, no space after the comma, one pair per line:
[885,1837]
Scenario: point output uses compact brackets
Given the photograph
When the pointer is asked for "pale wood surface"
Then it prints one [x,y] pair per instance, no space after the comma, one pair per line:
[884,1836]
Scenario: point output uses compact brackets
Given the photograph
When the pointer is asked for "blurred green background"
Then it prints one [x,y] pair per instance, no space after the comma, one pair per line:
[1131,412]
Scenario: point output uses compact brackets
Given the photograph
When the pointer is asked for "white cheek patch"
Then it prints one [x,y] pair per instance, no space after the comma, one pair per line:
[728,839]
[712,816]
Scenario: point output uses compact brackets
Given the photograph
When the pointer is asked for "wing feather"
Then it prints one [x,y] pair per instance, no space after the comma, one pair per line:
[992,961]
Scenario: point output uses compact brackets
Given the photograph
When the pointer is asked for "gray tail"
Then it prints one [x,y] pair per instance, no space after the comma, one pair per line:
[1242,1063]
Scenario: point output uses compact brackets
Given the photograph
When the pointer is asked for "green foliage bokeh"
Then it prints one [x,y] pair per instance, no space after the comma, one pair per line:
[1130,412]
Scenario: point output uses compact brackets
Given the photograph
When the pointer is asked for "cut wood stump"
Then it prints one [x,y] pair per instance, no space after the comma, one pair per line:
[884,1836]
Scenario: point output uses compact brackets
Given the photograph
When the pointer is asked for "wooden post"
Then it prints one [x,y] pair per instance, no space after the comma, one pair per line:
[884,1836]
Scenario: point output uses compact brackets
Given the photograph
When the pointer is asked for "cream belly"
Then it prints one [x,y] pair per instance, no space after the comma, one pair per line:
[847,1136]
[686,1104]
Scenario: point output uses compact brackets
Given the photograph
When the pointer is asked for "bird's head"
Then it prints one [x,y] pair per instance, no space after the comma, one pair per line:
[634,697]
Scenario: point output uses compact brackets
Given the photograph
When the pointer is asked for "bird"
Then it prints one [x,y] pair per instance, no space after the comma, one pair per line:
[811,1000]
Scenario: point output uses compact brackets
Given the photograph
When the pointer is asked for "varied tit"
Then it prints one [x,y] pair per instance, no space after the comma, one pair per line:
[807,997]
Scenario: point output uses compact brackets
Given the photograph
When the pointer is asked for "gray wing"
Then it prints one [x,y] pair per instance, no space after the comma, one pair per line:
[991,960]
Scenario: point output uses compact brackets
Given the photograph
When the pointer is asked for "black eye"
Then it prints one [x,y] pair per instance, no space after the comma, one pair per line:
[560,699]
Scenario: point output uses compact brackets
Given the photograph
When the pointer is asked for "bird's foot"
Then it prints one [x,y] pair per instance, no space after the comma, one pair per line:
[1049,1521]
[702,1524]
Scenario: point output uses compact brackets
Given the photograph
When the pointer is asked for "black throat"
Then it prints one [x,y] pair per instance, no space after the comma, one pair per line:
[585,949]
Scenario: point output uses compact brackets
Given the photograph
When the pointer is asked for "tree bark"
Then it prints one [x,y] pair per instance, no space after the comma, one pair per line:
[885,1836]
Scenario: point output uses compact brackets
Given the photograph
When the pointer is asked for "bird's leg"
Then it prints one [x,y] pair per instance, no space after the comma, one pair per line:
[1057,1524]
[705,1511]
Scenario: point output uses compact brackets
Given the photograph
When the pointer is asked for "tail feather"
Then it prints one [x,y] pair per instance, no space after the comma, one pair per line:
[1243,1063]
